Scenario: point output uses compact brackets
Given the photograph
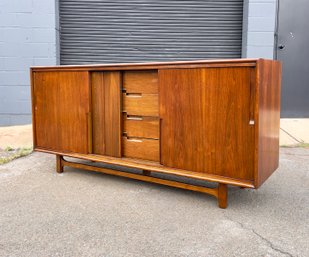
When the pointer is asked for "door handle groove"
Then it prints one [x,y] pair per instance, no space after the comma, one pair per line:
[131,117]
[133,94]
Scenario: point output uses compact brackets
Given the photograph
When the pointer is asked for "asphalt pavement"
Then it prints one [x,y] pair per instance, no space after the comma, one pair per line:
[81,213]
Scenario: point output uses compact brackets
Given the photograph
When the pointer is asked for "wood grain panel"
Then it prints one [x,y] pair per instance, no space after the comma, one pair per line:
[61,101]
[269,83]
[141,148]
[205,121]
[98,111]
[112,121]
[106,113]
[145,82]
[141,104]
[141,126]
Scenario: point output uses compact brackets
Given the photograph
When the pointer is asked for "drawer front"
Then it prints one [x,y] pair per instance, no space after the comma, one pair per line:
[146,149]
[141,126]
[141,104]
[144,82]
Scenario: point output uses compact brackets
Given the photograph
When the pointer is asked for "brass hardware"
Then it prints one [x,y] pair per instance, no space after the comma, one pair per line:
[131,117]
[134,140]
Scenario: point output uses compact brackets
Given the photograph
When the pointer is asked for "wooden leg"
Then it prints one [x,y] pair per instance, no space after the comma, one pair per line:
[59,163]
[222,195]
[220,192]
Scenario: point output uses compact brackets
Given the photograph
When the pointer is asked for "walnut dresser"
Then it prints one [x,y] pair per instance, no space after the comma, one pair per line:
[215,120]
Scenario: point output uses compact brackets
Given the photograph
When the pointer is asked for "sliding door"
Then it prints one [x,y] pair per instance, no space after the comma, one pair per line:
[61,110]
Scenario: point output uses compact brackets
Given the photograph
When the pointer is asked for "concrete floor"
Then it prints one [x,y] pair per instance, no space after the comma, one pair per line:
[80,213]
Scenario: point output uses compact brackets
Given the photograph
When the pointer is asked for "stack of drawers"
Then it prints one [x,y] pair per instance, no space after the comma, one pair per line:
[141,134]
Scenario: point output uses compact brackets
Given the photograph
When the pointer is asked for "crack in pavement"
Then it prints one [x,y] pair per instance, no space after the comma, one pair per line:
[271,245]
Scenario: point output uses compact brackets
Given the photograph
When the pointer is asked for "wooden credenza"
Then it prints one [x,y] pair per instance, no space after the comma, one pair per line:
[216,121]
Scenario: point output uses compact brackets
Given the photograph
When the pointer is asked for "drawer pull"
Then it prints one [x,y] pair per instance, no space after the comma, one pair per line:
[133,94]
[130,117]
[134,140]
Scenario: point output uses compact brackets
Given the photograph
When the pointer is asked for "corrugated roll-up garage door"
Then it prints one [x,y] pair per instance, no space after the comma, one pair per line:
[100,31]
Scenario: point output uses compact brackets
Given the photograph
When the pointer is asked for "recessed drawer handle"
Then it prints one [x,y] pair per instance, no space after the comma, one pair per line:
[134,140]
[129,117]
[133,94]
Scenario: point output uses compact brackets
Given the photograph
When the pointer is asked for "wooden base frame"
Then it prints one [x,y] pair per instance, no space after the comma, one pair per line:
[220,192]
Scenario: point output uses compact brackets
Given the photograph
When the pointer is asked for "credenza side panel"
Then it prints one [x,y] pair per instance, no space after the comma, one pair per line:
[269,74]
[205,120]
[61,107]
[106,113]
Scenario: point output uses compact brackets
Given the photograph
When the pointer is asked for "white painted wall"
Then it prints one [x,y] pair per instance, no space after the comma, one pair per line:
[27,37]
[259,28]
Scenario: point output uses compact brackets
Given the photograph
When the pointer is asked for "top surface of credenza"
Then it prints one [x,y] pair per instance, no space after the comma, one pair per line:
[154,65]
